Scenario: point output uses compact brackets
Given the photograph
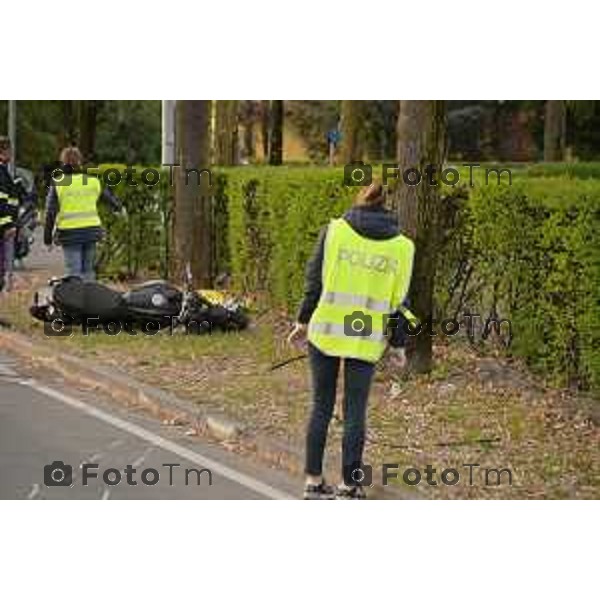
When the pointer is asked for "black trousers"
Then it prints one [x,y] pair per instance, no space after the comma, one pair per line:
[357,383]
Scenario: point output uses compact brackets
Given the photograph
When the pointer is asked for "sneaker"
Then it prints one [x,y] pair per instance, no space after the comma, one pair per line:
[322,491]
[351,492]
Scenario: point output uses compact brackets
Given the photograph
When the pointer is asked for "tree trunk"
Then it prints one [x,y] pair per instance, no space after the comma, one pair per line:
[87,128]
[350,122]
[276,133]
[265,122]
[193,228]
[421,142]
[247,117]
[249,141]
[226,134]
[555,130]
[69,133]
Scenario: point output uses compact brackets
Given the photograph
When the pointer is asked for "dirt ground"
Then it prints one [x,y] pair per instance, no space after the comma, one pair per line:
[471,410]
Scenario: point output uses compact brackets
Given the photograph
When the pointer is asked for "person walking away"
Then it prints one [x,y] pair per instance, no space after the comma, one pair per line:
[357,279]
[11,195]
[71,210]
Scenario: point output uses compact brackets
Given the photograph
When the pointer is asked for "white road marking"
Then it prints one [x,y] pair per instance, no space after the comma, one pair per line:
[138,461]
[233,475]
[35,490]
[91,459]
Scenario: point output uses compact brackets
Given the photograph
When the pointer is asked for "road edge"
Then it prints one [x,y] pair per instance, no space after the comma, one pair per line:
[163,405]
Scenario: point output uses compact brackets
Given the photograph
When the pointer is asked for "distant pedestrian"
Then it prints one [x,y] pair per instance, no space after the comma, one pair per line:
[71,209]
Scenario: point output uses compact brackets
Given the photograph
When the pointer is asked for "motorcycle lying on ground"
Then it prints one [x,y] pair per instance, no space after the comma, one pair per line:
[147,307]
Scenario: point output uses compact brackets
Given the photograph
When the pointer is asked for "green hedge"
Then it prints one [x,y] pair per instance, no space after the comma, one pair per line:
[579,170]
[275,217]
[536,247]
[529,252]
[138,240]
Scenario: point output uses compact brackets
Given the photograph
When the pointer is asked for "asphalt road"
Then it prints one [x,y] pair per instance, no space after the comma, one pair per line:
[42,421]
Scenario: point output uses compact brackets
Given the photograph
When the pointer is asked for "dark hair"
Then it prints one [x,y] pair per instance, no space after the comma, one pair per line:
[371,195]
[5,143]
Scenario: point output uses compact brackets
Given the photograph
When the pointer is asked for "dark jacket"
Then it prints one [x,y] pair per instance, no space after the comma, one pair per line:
[12,189]
[82,235]
[375,223]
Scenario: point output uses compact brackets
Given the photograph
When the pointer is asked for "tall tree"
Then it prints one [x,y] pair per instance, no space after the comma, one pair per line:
[276,133]
[265,127]
[88,111]
[350,125]
[421,141]
[247,115]
[193,227]
[226,137]
[69,132]
[555,130]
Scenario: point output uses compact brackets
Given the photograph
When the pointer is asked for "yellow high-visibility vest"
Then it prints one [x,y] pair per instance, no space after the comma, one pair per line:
[364,280]
[78,203]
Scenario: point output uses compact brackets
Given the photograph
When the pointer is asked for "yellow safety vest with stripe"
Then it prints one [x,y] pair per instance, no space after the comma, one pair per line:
[11,200]
[363,281]
[77,203]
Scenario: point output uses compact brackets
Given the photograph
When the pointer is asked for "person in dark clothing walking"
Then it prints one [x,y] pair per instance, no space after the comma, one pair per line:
[71,208]
[356,281]
[11,194]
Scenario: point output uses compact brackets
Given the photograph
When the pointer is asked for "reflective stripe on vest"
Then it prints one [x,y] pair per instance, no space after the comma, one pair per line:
[9,199]
[356,301]
[7,219]
[341,331]
[362,280]
[79,215]
[77,203]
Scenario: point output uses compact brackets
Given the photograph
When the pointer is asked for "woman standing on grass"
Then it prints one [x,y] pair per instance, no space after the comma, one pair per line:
[358,276]
[71,206]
